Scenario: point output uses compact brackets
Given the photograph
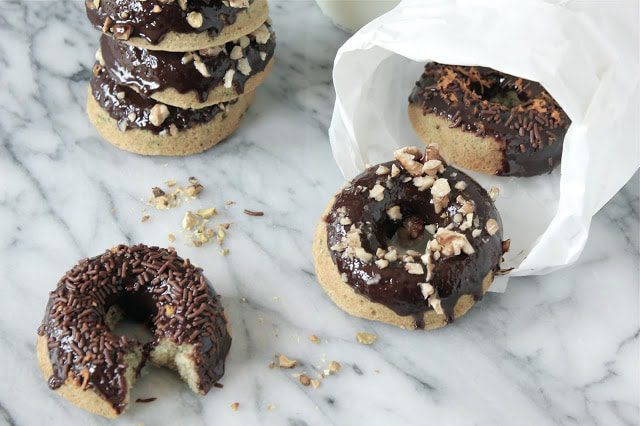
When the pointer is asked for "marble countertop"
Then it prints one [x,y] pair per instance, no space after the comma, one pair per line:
[556,349]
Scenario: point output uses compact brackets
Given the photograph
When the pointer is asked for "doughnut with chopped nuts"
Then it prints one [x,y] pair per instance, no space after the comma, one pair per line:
[145,126]
[177,26]
[411,255]
[81,358]
[194,79]
[488,121]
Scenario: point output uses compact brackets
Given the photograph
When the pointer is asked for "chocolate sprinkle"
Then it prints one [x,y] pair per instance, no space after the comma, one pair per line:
[83,348]
[519,113]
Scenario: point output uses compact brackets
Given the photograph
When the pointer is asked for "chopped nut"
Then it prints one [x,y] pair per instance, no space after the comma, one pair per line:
[286,362]
[433,167]
[423,182]
[377,192]
[235,405]
[304,380]
[492,226]
[391,256]
[132,117]
[314,339]
[436,305]
[239,3]
[157,8]
[457,218]
[395,171]
[189,220]
[363,255]
[453,243]
[195,19]
[224,252]
[236,53]
[345,221]
[158,113]
[382,263]
[315,383]
[334,367]
[426,289]
[262,34]
[263,56]
[460,185]
[394,213]
[382,170]
[408,156]
[244,41]
[476,233]
[244,67]
[145,218]
[414,268]
[207,213]
[228,78]
[440,188]
[202,68]
[194,189]
[493,193]
[366,338]
[120,95]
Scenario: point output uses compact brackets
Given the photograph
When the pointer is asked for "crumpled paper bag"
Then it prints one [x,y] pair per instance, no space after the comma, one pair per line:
[584,53]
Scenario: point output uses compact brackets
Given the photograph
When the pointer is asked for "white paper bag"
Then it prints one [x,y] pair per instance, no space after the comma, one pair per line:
[584,53]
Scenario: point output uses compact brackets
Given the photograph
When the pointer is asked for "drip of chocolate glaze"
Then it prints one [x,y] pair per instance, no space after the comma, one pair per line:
[140,18]
[105,91]
[152,285]
[502,107]
[394,287]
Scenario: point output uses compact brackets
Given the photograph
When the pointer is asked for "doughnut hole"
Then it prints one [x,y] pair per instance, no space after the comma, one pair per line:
[497,94]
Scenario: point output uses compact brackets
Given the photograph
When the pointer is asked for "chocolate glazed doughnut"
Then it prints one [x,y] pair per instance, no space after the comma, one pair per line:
[488,121]
[176,25]
[93,368]
[192,79]
[449,242]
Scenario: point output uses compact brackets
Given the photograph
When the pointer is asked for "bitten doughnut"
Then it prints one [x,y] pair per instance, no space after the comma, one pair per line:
[93,368]
[488,121]
[411,242]
[144,126]
[177,25]
[192,79]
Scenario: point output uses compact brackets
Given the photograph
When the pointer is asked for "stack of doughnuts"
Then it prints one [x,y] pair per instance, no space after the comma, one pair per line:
[175,77]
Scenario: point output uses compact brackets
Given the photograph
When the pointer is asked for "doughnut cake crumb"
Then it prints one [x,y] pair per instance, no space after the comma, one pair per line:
[488,121]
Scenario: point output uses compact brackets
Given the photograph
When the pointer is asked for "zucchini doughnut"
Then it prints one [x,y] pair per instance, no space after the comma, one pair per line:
[93,368]
[144,126]
[488,121]
[177,25]
[192,79]
[411,242]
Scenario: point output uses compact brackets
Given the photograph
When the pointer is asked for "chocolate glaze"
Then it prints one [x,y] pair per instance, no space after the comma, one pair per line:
[152,285]
[393,286]
[138,17]
[530,124]
[150,71]
[105,91]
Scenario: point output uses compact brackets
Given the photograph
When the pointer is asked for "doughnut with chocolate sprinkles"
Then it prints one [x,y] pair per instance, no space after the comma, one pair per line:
[488,121]
[93,368]
[411,242]
[176,25]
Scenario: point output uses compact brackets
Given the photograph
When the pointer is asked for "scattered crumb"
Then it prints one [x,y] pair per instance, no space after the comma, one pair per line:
[366,338]
[235,406]
[314,339]
[272,365]
[253,213]
[271,407]
[334,367]
[171,238]
[207,213]
[145,218]
[286,362]
[315,383]
[224,252]
[170,183]
[304,380]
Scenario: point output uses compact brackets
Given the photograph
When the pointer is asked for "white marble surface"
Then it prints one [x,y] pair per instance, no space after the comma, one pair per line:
[557,349]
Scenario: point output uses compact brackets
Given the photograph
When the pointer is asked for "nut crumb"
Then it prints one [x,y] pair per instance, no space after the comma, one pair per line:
[365,338]
[195,19]
[171,238]
[314,339]
[235,406]
[145,218]
[286,362]
[492,226]
[271,407]
[315,383]
[207,213]
[304,380]
[334,367]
